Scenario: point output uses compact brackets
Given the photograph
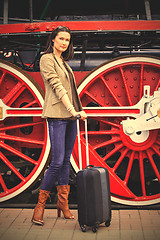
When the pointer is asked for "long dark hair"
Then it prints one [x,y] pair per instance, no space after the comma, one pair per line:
[69,53]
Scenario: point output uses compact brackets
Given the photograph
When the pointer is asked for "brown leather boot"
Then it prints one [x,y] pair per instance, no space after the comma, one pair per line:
[62,203]
[39,209]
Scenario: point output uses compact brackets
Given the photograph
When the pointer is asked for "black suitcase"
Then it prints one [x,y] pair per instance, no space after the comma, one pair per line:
[93,196]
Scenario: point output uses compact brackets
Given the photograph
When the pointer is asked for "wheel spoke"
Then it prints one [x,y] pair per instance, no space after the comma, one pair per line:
[153,165]
[14,94]
[142,176]
[3,184]
[110,90]
[156,150]
[2,77]
[21,126]
[158,142]
[30,104]
[129,168]
[110,123]
[104,144]
[141,82]
[93,98]
[18,153]
[126,87]
[120,159]
[20,139]
[113,151]
[9,164]
[158,84]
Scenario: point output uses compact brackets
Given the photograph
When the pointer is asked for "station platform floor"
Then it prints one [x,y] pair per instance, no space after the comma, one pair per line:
[15,224]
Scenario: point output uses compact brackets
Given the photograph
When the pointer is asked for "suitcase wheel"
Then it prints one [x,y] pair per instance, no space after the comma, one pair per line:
[107,224]
[94,229]
[83,228]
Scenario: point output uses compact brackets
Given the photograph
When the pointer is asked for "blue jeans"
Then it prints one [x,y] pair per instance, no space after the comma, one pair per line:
[62,137]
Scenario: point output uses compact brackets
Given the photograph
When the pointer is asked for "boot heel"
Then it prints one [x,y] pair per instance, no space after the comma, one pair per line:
[58,212]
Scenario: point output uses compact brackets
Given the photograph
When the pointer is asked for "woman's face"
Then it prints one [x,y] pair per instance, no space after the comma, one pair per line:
[61,42]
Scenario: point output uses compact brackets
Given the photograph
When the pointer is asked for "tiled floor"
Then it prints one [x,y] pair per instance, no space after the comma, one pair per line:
[15,224]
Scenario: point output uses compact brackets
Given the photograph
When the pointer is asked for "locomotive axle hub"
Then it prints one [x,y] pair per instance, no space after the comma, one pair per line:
[138,128]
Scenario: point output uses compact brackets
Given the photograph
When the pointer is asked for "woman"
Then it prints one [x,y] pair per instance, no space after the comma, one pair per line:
[61,106]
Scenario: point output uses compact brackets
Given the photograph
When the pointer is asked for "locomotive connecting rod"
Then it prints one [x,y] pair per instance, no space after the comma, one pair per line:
[6,111]
[146,113]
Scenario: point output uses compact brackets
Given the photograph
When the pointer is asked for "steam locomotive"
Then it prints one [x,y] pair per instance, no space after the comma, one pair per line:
[117,70]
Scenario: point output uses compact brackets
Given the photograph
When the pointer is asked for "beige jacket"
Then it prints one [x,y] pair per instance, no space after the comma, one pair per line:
[57,84]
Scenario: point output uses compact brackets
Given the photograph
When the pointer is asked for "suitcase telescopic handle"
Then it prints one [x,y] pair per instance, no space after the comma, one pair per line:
[79,142]
[89,166]
[78,116]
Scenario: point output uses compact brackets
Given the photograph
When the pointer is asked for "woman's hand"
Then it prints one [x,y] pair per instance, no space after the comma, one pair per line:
[81,113]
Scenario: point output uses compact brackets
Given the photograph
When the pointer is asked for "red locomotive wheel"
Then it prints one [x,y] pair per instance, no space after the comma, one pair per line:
[24,140]
[133,161]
